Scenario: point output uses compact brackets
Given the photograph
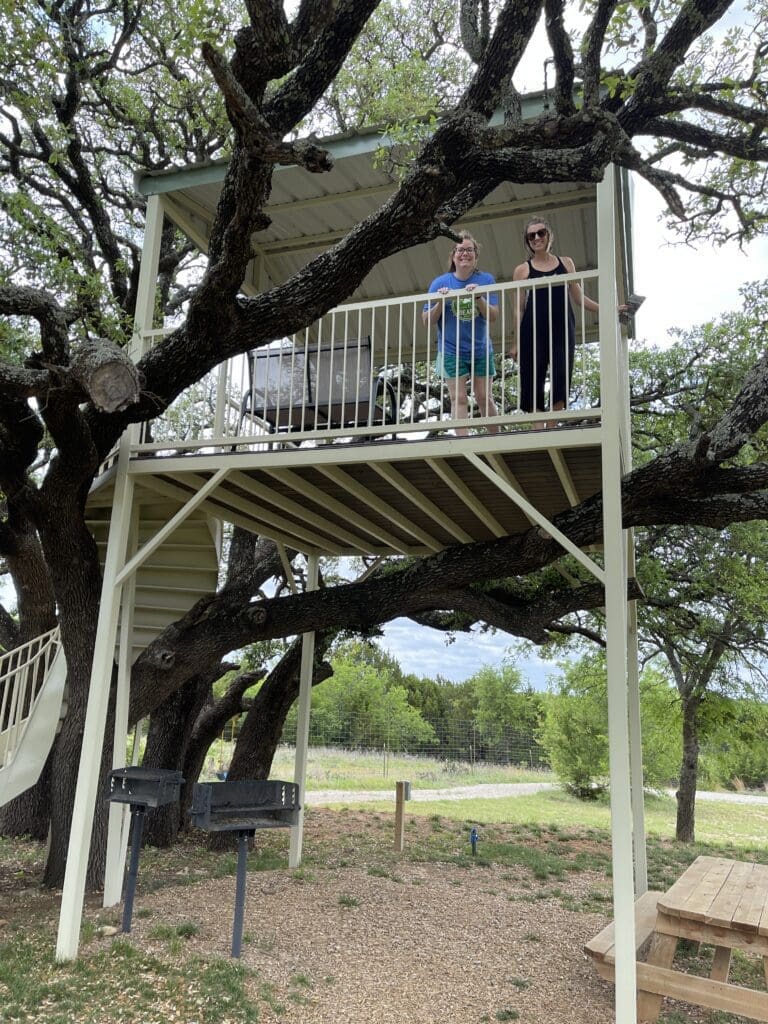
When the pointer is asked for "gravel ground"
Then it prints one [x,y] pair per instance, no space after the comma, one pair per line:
[424,943]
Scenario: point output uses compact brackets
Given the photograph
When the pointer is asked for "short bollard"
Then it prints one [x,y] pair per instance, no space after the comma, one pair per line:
[402,793]
[473,840]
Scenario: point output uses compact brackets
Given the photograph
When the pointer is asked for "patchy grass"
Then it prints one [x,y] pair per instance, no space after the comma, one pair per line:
[538,848]
[330,768]
[718,822]
[120,984]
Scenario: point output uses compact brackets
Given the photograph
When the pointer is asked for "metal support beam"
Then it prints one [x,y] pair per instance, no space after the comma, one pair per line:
[302,725]
[141,556]
[95,718]
[119,813]
[81,828]
[146,291]
[536,517]
[616,613]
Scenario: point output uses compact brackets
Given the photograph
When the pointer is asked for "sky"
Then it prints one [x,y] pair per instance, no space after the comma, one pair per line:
[683,286]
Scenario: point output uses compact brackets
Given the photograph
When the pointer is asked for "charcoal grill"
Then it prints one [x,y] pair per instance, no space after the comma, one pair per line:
[243,806]
[141,788]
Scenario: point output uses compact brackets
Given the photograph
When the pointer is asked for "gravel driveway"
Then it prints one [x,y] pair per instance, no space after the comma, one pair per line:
[323,797]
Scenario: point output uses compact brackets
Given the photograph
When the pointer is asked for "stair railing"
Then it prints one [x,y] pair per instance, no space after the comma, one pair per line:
[23,672]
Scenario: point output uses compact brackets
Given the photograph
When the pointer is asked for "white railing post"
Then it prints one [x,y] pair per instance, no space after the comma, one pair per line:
[319,385]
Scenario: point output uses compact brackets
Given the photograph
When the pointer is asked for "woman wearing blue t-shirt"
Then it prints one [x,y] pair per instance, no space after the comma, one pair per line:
[464,348]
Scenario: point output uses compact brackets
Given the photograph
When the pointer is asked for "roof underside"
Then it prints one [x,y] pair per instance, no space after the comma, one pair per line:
[311,212]
[402,497]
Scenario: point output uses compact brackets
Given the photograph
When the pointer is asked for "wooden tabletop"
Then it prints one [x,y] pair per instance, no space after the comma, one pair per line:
[721,893]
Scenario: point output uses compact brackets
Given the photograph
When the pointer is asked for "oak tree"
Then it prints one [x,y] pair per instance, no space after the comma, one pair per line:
[642,86]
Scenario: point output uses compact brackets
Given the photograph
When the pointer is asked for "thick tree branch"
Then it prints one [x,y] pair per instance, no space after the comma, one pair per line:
[296,96]
[591,51]
[560,42]
[17,300]
[655,72]
[514,26]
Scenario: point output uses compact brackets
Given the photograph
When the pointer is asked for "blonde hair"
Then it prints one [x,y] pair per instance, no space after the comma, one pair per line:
[465,237]
[547,225]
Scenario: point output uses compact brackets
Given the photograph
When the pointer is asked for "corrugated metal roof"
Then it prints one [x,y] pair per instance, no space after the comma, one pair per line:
[310,212]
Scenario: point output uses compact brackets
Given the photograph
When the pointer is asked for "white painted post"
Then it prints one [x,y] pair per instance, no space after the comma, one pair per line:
[636,743]
[73,892]
[119,813]
[147,288]
[302,724]
[95,718]
[616,610]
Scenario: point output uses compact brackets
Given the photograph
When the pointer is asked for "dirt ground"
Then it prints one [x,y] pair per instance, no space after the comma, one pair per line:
[413,942]
[360,934]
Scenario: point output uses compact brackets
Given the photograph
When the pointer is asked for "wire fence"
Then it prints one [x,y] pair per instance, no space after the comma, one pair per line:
[456,741]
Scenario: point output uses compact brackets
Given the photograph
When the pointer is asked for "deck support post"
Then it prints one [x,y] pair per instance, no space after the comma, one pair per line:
[86,792]
[615,548]
[119,813]
[302,725]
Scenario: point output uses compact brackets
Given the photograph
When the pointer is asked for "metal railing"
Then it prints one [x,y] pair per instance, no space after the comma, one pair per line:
[23,672]
[375,369]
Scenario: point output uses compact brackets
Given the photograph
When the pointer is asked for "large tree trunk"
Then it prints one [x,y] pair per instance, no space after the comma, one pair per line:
[263,726]
[170,727]
[689,770]
[260,733]
[210,723]
[72,555]
[30,813]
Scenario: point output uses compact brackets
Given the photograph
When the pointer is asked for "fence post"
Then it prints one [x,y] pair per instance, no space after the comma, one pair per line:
[402,793]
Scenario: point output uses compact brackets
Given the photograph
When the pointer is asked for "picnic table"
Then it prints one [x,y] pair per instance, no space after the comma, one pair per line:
[718,901]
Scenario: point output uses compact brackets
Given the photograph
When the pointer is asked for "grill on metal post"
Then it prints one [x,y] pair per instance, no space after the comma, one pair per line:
[243,806]
[141,788]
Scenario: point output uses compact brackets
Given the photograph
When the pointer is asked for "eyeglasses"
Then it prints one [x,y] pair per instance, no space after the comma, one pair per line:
[540,233]
[465,251]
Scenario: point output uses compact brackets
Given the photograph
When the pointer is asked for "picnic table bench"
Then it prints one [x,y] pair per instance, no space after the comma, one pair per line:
[717,901]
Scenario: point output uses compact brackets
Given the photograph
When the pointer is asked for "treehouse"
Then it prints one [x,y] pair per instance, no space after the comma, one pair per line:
[340,439]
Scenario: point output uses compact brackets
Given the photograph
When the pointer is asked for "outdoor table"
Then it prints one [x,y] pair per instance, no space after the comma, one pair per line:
[720,902]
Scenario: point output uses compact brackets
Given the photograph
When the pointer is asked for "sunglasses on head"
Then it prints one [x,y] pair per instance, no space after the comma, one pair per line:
[541,233]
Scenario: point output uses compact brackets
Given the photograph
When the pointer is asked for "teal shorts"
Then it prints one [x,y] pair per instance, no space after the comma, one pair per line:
[484,365]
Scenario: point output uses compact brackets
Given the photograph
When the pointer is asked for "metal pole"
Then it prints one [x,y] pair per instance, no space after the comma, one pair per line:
[242,861]
[119,823]
[137,828]
[73,892]
[615,550]
[302,724]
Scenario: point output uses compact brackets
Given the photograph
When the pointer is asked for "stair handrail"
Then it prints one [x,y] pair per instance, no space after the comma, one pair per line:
[23,672]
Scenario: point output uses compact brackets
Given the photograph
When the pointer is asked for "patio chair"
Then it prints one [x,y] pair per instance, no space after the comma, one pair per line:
[317,387]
